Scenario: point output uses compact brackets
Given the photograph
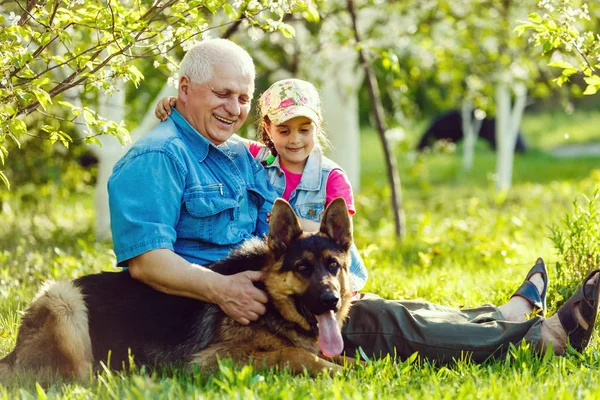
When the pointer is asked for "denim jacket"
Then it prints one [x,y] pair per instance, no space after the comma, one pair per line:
[309,198]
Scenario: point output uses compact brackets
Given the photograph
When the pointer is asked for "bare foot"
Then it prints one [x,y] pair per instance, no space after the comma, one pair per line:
[517,308]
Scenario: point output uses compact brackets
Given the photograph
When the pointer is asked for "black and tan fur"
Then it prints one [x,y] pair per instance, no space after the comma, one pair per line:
[72,326]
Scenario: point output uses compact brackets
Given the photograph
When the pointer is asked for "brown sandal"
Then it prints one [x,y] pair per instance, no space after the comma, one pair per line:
[586,299]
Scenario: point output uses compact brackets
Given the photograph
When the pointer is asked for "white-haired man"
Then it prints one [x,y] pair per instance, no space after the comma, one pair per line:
[185,169]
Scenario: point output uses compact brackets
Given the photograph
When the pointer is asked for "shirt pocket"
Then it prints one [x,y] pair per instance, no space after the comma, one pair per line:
[208,214]
[255,202]
[310,211]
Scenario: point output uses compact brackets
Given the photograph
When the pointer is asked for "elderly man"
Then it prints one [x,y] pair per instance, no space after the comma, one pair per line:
[186,194]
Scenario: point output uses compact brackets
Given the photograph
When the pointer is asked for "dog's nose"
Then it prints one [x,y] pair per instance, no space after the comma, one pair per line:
[329,300]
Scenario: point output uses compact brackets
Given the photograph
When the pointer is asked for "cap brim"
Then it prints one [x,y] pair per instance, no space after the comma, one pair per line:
[287,113]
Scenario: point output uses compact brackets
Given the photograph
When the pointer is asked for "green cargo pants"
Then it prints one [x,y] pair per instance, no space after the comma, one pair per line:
[439,333]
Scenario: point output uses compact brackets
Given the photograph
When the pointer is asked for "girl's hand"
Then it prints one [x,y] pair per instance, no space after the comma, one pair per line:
[269,216]
[163,108]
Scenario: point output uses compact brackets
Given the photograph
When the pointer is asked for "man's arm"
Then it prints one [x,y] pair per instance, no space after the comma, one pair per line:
[169,273]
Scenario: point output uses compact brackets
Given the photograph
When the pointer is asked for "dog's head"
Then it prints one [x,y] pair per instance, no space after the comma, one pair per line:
[310,282]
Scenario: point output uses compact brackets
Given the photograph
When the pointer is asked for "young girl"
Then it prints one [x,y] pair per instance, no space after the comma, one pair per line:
[291,151]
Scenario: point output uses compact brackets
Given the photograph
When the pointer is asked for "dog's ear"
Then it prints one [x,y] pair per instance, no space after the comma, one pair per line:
[284,227]
[337,223]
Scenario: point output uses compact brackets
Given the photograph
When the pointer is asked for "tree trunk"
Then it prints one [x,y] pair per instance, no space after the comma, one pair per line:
[470,129]
[508,119]
[373,89]
[339,91]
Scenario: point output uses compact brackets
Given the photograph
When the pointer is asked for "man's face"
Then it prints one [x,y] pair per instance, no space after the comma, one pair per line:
[218,107]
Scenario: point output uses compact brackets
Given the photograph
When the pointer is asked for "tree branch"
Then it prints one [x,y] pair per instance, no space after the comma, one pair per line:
[27,13]
[377,108]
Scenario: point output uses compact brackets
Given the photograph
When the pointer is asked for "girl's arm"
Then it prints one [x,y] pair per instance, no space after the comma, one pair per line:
[163,107]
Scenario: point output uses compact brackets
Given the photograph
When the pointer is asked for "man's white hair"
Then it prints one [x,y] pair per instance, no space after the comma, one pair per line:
[199,60]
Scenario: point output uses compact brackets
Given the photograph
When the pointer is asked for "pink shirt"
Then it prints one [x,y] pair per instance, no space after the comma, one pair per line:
[338,184]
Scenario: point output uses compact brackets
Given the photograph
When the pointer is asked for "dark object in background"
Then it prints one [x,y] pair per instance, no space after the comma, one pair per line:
[448,126]
[88,159]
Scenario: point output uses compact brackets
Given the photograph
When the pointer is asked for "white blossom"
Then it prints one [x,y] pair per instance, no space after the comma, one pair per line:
[173,80]
[188,44]
[171,66]
[13,19]
[167,34]
[255,33]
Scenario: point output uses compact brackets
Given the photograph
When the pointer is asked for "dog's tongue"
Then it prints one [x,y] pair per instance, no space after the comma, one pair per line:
[330,337]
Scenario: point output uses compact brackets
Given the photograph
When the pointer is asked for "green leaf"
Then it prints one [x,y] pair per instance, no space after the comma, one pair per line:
[42,97]
[230,11]
[66,104]
[561,64]
[535,17]
[17,126]
[4,179]
[547,47]
[89,117]
[92,140]
[45,38]
[560,80]
[591,89]
[137,76]
[3,154]
[592,80]
[287,30]
[312,14]
[569,71]
[9,109]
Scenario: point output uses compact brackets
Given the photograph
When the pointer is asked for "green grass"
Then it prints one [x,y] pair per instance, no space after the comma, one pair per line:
[465,245]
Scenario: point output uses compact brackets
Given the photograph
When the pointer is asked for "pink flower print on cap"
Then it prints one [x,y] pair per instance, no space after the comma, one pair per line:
[286,103]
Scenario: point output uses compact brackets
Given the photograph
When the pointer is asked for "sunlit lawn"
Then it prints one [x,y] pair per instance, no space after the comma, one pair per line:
[465,245]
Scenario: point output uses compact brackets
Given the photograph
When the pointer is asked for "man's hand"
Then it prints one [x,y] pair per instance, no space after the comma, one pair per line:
[239,298]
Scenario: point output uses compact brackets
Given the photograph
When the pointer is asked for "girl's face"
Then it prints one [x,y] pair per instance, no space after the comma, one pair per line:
[294,140]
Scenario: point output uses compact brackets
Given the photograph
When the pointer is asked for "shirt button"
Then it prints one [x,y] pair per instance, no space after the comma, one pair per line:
[311,212]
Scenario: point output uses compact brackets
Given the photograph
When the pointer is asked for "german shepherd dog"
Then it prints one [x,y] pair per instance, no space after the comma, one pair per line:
[71,326]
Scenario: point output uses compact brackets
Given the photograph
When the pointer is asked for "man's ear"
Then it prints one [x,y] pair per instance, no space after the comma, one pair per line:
[284,227]
[183,88]
[337,223]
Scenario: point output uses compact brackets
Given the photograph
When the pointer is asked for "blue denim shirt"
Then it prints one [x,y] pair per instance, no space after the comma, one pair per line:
[174,189]
[309,198]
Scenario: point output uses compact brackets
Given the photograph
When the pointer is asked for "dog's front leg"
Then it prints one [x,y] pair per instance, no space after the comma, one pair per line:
[296,359]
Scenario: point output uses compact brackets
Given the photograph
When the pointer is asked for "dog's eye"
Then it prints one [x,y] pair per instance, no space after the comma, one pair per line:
[301,267]
[333,265]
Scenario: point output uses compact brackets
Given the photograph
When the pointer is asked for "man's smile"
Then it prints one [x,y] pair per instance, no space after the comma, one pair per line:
[224,120]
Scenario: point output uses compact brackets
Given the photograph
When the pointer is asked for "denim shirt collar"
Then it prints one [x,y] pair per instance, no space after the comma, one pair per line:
[311,176]
[197,143]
